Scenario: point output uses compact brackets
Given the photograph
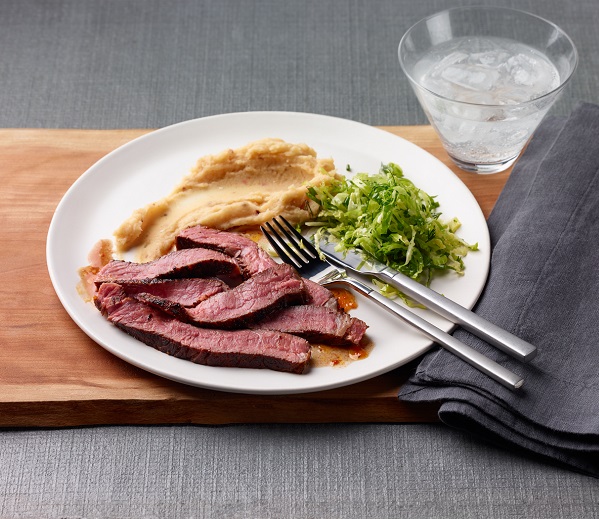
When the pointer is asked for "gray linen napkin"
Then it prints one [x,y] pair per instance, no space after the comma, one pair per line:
[544,287]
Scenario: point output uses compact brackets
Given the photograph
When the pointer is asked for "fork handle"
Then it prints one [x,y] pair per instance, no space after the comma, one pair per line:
[493,334]
[461,350]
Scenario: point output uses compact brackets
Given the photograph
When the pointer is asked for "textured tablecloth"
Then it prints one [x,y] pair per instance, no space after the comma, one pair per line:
[150,63]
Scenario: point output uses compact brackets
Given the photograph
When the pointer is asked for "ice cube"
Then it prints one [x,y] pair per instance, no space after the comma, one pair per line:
[455,57]
[471,77]
[491,59]
[521,69]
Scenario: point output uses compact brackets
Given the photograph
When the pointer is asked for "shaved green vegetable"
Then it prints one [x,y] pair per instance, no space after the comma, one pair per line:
[388,217]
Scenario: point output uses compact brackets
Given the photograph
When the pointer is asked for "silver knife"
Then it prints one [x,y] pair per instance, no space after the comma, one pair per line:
[493,334]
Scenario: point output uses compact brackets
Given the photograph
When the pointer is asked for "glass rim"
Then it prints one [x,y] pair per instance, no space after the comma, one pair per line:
[491,8]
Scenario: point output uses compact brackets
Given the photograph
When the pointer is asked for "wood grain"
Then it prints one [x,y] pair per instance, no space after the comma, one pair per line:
[53,375]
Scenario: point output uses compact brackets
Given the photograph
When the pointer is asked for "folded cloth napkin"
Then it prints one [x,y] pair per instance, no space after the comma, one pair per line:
[543,286]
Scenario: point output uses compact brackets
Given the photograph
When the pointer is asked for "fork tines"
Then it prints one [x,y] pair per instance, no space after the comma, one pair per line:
[288,242]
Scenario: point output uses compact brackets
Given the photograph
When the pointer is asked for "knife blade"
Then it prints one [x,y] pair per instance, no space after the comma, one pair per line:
[360,262]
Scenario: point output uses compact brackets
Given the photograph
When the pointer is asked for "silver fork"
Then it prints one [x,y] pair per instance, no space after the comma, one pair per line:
[297,251]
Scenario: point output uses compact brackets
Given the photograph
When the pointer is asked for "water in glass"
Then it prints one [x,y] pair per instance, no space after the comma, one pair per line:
[493,80]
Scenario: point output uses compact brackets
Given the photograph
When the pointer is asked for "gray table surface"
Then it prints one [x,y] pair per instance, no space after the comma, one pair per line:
[150,63]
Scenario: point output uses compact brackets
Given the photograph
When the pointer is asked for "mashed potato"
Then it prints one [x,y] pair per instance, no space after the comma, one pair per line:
[236,188]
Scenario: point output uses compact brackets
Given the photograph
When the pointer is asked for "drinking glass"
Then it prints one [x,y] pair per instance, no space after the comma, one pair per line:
[486,77]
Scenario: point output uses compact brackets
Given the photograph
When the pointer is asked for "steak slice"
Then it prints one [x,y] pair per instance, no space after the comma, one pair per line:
[319,296]
[251,258]
[276,287]
[184,292]
[108,296]
[172,296]
[317,324]
[176,264]
[240,348]
[171,308]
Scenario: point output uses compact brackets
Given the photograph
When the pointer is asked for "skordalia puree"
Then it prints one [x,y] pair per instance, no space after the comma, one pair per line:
[235,188]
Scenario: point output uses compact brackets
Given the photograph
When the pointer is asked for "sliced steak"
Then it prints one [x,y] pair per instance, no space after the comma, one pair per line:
[185,292]
[240,348]
[169,307]
[316,324]
[251,258]
[276,287]
[177,264]
[108,296]
[319,296]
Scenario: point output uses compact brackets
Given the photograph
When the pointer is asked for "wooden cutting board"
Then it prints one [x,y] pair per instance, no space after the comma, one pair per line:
[52,374]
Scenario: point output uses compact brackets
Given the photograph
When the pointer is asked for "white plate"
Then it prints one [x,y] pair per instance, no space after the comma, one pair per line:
[149,167]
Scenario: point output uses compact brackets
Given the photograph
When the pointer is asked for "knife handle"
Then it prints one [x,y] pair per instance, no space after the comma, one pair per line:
[461,350]
[493,334]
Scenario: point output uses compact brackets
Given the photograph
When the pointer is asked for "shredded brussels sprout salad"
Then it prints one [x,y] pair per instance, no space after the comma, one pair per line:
[391,219]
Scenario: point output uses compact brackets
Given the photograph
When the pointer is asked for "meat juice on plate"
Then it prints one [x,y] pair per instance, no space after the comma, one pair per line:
[503,76]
